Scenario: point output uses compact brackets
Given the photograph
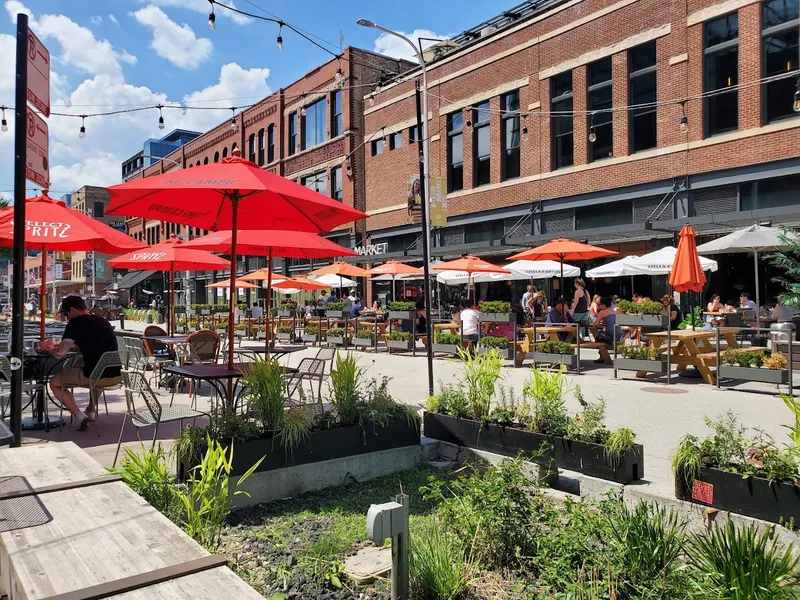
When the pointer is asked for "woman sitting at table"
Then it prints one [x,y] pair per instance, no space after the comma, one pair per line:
[714,306]
[674,311]
[594,307]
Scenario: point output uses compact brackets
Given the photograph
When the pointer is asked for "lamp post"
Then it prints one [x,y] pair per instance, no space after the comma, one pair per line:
[425,176]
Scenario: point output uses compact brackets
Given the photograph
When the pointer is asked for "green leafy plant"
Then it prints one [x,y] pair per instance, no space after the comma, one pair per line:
[694,316]
[741,563]
[646,307]
[402,306]
[287,305]
[311,330]
[789,263]
[640,352]
[335,332]
[448,339]
[501,343]
[545,391]
[265,386]
[295,427]
[400,336]
[147,476]
[776,361]
[452,400]
[334,306]
[366,334]
[619,442]
[481,374]
[555,347]
[190,443]
[438,568]
[495,306]
[285,329]
[743,357]
[589,424]
[345,388]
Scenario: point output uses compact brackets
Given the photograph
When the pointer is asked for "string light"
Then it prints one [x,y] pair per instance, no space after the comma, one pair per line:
[82,132]
[796,105]
[303,108]
[4,123]
[338,75]
[685,121]
[234,124]
[212,18]
[280,37]
[372,99]
[160,117]
[525,134]
[592,134]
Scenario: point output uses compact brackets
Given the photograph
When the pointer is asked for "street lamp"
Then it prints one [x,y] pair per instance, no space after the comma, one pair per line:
[426,222]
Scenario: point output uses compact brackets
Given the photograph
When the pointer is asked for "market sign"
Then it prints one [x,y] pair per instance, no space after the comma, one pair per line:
[372,249]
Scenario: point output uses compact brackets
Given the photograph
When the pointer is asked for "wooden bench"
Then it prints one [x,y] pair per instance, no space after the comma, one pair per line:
[98,535]
[600,346]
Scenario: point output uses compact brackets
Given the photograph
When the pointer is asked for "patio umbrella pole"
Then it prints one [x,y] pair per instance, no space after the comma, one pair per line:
[172,301]
[269,297]
[231,312]
[43,294]
[758,294]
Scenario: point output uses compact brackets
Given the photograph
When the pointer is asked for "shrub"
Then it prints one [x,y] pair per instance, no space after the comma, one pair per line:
[400,336]
[287,305]
[776,361]
[311,330]
[495,306]
[619,442]
[345,388]
[147,476]
[743,357]
[640,352]
[445,338]
[285,329]
[545,391]
[366,334]
[500,343]
[295,425]
[438,568]
[450,401]
[589,424]
[646,307]
[265,385]
[555,347]
[398,305]
[481,373]
[334,306]
[335,332]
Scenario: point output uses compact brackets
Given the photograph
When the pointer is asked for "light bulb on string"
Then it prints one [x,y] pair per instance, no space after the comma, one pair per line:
[234,124]
[212,18]
[684,127]
[525,133]
[303,111]
[796,104]
[4,123]
[160,118]
[592,136]
[372,99]
[280,37]
[82,132]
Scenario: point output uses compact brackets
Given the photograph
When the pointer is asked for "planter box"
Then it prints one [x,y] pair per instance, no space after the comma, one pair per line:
[318,446]
[755,497]
[286,313]
[507,353]
[406,345]
[336,314]
[205,312]
[583,457]
[368,342]
[336,341]
[310,337]
[498,317]
[775,376]
[220,311]
[180,311]
[636,364]
[643,320]
[221,331]
[407,315]
[261,335]
[284,336]
[446,348]
[239,333]
[570,360]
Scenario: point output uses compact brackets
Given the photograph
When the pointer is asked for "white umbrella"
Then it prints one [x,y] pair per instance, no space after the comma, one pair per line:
[334,281]
[755,239]
[541,269]
[619,268]
[660,262]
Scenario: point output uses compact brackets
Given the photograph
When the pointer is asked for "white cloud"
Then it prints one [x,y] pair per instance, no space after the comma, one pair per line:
[113,19]
[102,169]
[177,43]
[397,48]
[202,6]
[96,20]
[8,48]
[14,7]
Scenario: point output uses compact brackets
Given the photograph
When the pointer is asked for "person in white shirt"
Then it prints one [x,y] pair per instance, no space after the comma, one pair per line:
[470,326]
[780,312]
[352,296]
[256,312]
[746,303]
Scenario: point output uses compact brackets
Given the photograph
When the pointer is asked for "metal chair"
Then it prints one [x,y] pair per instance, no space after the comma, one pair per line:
[205,345]
[311,370]
[28,387]
[108,360]
[154,348]
[155,414]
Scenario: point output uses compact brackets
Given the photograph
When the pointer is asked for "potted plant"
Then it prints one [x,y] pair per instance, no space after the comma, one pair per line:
[287,309]
[754,365]
[364,418]
[335,310]
[285,333]
[220,309]
[336,336]
[180,310]
[644,314]
[740,472]
[400,340]
[500,344]
[640,358]
[555,352]
[205,309]
[261,332]
[495,311]
[479,414]
[365,337]
[402,310]
[447,343]
[310,333]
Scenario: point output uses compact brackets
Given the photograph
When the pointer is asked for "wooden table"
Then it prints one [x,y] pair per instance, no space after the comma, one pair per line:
[449,327]
[552,331]
[691,345]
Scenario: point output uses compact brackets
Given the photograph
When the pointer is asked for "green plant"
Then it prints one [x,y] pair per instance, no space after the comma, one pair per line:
[789,263]
[345,388]
[285,329]
[742,564]
[190,443]
[265,384]
[481,374]
[205,498]
[334,306]
[495,306]
[451,401]
[311,330]
[555,347]
[402,306]
[501,343]
[366,334]
[438,567]
[776,361]
[294,427]
[545,391]
[743,357]
[227,425]
[147,476]
[646,307]
[588,425]
[400,336]
[335,332]
[287,305]
[640,352]
[695,316]
[619,442]
[448,339]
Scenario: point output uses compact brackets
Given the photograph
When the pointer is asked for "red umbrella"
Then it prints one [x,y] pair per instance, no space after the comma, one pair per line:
[215,196]
[687,274]
[269,243]
[171,255]
[51,226]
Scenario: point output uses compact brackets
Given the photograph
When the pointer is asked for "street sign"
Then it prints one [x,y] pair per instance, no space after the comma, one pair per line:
[38,75]
[37,164]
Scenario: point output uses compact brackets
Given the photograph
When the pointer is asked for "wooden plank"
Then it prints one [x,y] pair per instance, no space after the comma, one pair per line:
[49,464]
[214,584]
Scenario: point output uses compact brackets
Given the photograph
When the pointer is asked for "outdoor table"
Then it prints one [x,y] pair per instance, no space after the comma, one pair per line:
[449,327]
[276,350]
[168,339]
[552,332]
[691,345]
[39,367]
[216,376]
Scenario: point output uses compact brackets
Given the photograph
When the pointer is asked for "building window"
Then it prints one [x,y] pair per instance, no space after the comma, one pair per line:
[314,124]
[292,133]
[721,72]
[378,146]
[234,146]
[224,153]
[396,140]
[642,90]
[260,147]
[561,125]
[413,135]
[483,232]
[317,182]
[336,184]
[599,102]
[270,144]
[205,160]
[510,132]
[455,152]
[251,148]
[614,213]
[99,210]
[336,114]
[482,144]
[780,20]
[216,157]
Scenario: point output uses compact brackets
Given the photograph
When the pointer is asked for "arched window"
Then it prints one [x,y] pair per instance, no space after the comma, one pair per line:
[197,164]
[205,160]
[224,153]
[216,156]
[234,146]
[251,148]
[270,143]
[260,147]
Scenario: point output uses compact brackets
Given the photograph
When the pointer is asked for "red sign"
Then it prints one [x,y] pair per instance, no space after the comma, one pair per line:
[702,492]
[37,164]
[38,75]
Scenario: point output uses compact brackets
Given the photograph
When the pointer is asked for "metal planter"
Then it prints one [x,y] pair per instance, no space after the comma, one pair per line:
[405,315]
[498,317]
[643,320]
[261,335]
[776,376]
[286,313]
[406,345]
[364,342]
[637,364]
[507,353]
[335,314]
[310,337]
[569,360]
[446,348]
[336,340]
[287,337]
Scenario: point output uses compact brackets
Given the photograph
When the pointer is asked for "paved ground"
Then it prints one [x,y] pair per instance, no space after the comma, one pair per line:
[658,414]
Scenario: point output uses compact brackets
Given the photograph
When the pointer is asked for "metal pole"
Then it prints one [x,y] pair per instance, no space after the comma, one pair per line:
[269,301]
[232,297]
[758,295]
[718,351]
[18,281]
[669,346]
[43,294]
[790,349]
[94,282]
[400,547]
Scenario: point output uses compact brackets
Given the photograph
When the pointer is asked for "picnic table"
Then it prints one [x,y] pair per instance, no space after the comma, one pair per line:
[693,348]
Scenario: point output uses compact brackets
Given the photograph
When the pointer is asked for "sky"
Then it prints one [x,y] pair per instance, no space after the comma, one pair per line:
[109,55]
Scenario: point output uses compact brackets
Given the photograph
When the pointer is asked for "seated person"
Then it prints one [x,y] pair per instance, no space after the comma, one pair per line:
[745,303]
[355,307]
[470,325]
[559,313]
[607,322]
[675,316]
[422,323]
[594,306]
[780,312]
[93,336]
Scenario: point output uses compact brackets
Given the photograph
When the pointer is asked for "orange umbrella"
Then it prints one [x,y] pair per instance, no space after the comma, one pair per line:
[240,285]
[300,283]
[687,274]
[262,275]
[562,249]
[394,268]
[342,269]
[468,264]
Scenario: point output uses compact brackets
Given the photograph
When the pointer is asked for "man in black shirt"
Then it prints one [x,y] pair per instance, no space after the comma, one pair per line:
[93,336]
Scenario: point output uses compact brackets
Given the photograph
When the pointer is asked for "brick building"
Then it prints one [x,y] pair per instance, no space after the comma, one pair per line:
[92,200]
[529,125]
[311,131]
